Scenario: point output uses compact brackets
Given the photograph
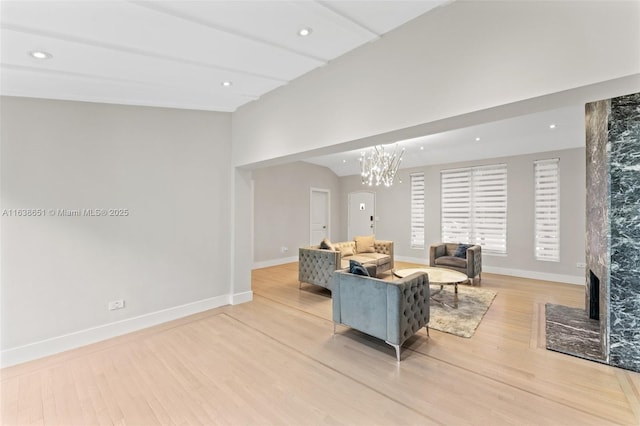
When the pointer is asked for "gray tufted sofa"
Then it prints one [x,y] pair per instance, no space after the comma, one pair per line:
[316,266]
[389,310]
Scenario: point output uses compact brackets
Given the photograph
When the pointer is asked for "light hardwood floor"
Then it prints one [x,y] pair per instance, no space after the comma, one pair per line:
[276,361]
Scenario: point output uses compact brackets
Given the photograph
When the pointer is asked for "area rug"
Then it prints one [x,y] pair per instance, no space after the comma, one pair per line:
[473,303]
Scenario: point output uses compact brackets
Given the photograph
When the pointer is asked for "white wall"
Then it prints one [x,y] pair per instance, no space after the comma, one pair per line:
[169,168]
[282,209]
[393,210]
[466,57]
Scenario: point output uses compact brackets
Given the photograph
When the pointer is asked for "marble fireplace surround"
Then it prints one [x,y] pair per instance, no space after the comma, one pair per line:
[608,329]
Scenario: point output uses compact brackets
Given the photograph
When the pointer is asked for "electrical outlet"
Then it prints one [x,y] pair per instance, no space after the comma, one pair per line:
[581,265]
[116,304]
[284,249]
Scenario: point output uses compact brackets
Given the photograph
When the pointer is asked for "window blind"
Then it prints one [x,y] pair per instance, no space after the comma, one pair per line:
[417,210]
[455,203]
[489,207]
[474,207]
[547,210]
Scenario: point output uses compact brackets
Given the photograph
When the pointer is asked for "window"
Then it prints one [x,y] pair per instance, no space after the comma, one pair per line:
[455,203]
[547,210]
[474,207]
[417,210]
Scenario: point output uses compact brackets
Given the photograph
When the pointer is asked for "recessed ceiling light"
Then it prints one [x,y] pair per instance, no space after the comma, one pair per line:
[477,139]
[303,32]
[552,126]
[422,148]
[344,161]
[227,83]
[39,54]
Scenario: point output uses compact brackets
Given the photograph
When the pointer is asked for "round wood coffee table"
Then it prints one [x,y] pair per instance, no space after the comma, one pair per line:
[438,276]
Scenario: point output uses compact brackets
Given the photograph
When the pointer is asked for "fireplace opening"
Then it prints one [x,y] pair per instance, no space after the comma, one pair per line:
[594,296]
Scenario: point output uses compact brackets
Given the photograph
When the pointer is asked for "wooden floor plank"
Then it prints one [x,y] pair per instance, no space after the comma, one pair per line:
[9,392]
[476,396]
[276,361]
[496,351]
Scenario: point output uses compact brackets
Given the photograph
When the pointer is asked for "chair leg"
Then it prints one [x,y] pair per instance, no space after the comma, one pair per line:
[397,349]
[477,279]
[427,327]
[299,285]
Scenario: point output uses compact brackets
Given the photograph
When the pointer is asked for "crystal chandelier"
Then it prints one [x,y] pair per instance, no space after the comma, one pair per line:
[380,167]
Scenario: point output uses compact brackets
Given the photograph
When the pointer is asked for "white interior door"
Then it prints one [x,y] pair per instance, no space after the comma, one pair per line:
[319,215]
[362,213]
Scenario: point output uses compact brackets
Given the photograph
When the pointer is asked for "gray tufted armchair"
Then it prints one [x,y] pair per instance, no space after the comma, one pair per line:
[441,255]
[389,310]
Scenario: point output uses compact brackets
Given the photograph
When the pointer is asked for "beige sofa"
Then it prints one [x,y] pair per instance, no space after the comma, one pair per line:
[316,265]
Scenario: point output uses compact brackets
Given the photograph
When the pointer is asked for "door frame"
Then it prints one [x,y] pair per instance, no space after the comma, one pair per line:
[373,193]
[328,192]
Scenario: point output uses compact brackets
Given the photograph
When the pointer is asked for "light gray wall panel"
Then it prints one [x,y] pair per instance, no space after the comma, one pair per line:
[169,168]
[281,208]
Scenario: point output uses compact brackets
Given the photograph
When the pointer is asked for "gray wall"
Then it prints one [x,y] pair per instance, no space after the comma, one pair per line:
[393,211]
[282,208]
[169,168]
[282,212]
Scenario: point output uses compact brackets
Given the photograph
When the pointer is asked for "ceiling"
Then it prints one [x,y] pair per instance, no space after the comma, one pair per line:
[178,53]
[526,134]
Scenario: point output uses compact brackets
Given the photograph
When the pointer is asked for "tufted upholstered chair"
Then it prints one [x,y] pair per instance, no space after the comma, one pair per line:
[316,266]
[441,256]
[389,310]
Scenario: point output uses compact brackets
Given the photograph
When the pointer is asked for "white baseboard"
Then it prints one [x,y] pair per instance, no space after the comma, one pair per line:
[274,262]
[543,276]
[418,260]
[244,297]
[85,337]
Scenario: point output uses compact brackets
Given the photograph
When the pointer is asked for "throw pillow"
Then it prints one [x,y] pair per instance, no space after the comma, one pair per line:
[461,251]
[357,268]
[346,250]
[326,244]
[364,244]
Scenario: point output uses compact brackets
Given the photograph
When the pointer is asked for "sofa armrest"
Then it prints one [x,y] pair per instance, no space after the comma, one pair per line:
[316,266]
[384,247]
[436,251]
[474,261]
[360,302]
[408,306]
